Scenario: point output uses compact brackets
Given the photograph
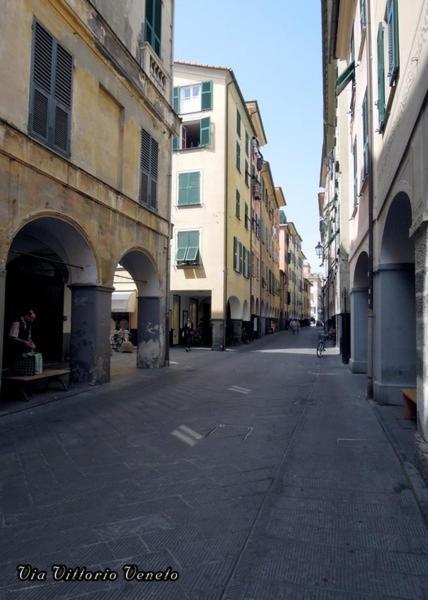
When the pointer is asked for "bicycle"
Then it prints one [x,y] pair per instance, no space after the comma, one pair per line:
[321,344]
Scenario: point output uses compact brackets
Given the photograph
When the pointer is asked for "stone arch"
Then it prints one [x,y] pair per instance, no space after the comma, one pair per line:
[245,311]
[72,301]
[359,315]
[235,308]
[394,356]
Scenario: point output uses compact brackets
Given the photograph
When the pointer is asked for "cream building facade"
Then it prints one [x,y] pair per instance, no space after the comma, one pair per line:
[225,211]
[86,125]
[375,145]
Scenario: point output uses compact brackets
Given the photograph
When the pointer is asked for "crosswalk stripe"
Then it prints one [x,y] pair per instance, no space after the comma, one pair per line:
[194,434]
[183,437]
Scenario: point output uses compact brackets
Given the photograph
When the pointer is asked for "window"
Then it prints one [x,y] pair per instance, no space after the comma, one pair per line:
[245,261]
[238,156]
[237,255]
[153,24]
[187,248]
[238,205]
[247,144]
[366,134]
[51,91]
[149,170]
[393,47]
[189,188]
[194,134]
[193,98]
[380,77]
[247,175]
[238,123]
[363,15]
[247,218]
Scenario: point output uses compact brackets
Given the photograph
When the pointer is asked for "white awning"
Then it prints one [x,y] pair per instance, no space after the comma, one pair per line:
[123,302]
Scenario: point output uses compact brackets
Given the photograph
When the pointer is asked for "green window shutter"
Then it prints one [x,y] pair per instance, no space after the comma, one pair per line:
[187,247]
[380,76]
[238,156]
[247,220]
[188,188]
[354,152]
[345,77]
[244,261]
[176,100]
[393,45]
[182,245]
[247,144]
[366,134]
[207,95]
[153,24]
[175,144]
[238,123]
[363,14]
[238,205]
[149,170]
[205,132]
[239,257]
[235,254]
[247,182]
[50,91]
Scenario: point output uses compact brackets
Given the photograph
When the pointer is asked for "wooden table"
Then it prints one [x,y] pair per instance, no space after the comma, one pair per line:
[22,382]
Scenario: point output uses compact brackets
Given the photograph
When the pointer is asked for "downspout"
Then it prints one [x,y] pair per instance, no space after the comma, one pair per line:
[226,216]
[370,311]
[169,187]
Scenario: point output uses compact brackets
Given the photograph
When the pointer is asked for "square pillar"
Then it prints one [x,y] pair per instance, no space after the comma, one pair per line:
[90,333]
[236,332]
[2,297]
[421,284]
[359,330]
[217,334]
[151,333]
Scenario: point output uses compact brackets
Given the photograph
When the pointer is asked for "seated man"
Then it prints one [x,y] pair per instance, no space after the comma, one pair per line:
[20,340]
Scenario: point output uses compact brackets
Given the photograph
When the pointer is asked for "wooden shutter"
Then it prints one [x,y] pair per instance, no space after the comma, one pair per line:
[149,169]
[176,99]
[380,76]
[247,144]
[393,45]
[207,95]
[41,81]
[193,247]
[175,144]
[62,98]
[363,13]
[238,156]
[205,132]
[238,204]
[182,245]
[235,254]
[153,24]
[238,123]
[366,134]
[188,188]
[240,257]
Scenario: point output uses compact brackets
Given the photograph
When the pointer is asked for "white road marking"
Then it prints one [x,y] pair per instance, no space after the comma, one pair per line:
[240,390]
[194,434]
[172,362]
[184,438]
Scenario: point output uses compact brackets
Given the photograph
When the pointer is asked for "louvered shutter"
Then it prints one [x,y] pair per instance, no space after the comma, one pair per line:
[176,99]
[41,81]
[393,46]
[62,98]
[207,95]
[205,132]
[149,169]
[380,76]
[366,134]
[235,254]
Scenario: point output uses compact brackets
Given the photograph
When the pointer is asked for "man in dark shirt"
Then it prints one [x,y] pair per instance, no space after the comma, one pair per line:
[20,335]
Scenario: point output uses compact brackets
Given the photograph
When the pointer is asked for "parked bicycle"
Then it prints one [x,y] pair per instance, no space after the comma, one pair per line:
[321,344]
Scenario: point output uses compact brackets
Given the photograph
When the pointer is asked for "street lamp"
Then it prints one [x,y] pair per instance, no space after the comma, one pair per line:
[319,250]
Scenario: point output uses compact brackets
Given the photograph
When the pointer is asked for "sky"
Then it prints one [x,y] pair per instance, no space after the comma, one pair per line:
[274,49]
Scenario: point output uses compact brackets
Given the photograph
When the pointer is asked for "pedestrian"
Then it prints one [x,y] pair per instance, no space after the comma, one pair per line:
[20,340]
[293,326]
[188,334]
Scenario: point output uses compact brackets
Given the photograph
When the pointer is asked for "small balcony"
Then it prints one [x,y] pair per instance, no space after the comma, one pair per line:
[154,68]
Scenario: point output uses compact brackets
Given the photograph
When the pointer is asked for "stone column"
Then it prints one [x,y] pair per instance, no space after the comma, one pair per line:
[2,296]
[90,333]
[217,334]
[236,332]
[394,350]
[421,282]
[359,330]
[151,333]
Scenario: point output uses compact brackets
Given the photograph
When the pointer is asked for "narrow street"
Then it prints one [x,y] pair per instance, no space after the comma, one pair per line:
[260,473]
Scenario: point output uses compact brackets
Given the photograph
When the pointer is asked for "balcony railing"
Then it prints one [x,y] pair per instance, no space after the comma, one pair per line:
[153,67]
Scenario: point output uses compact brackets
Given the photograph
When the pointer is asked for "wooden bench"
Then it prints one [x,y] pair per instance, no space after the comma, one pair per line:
[409,397]
[22,382]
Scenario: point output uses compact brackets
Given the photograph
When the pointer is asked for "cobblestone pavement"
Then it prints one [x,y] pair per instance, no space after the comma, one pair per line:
[256,474]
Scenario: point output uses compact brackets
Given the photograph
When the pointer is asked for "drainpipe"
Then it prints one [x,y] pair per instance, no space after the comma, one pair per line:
[370,308]
[226,190]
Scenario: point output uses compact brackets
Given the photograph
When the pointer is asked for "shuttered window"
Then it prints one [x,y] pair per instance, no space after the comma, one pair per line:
[189,188]
[235,254]
[51,91]
[238,205]
[244,261]
[393,46]
[238,156]
[205,131]
[363,14]
[380,77]
[247,218]
[247,144]
[176,99]
[238,123]
[153,24]
[187,248]
[149,170]
[366,134]
[354,153]
[247,174]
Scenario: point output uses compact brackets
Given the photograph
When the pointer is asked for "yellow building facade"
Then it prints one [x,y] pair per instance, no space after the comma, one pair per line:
[86,125]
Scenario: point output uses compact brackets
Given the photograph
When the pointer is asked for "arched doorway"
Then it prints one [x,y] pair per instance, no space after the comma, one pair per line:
[52,269]
[394,355]
[359,323]
[148,322]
